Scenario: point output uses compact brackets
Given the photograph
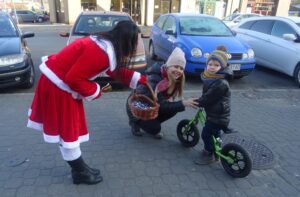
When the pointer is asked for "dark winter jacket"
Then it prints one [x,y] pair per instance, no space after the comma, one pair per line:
[215,100]
[154,76]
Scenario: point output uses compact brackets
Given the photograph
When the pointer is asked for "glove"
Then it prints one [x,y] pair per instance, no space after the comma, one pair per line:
[106,88]
[143,80]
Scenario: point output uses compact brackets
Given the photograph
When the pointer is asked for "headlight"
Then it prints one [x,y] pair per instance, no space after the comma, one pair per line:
[249,54]
[196,52]
[138,58]
[12,59]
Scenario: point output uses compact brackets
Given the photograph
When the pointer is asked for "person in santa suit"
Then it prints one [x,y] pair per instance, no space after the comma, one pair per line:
[67,79]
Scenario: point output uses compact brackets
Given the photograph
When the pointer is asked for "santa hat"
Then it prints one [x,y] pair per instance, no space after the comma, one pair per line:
[176,58]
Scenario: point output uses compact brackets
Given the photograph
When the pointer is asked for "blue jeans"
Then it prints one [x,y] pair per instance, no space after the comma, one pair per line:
[210,129]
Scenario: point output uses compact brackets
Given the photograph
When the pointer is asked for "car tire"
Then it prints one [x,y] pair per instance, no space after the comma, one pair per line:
[40,20]
[30,80]
[153,56]
[297,75]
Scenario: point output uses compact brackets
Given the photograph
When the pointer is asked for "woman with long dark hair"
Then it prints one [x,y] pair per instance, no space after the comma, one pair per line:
[67,80]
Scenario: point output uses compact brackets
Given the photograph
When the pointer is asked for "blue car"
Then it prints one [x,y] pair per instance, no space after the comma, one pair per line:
[198,35]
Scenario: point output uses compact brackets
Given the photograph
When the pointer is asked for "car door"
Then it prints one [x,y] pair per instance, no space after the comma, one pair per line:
[259,39]
[156,34]
[167,37]
[284,51]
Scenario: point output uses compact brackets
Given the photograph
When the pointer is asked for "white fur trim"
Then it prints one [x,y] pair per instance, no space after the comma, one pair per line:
[109,49]
[57,139]
[89,98]
[29,112]
[57,81]
[35,125]
[70,154]
[62,85]
[134,80]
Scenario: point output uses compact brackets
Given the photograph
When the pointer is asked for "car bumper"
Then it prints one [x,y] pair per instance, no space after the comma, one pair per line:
[14,77]
[195,68]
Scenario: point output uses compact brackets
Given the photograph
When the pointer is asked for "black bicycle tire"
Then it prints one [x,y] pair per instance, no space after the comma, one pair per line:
[184,141]
[247,160]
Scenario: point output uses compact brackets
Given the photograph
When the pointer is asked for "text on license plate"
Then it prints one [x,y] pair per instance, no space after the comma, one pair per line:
[235,66]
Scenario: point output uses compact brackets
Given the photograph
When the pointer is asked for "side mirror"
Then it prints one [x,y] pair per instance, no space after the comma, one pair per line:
[170,32]
[64,34]
[145,35]
[290,37]
[27,35]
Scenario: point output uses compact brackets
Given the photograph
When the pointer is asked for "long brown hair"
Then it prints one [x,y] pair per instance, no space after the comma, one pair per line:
[124,38]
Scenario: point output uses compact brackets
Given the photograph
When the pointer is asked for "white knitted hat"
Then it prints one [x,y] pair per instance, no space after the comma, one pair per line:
[176,58]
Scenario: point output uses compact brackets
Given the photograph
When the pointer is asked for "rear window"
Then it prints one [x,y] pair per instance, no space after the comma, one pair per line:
[263,26]
[97,23]
[7,28]
[203,26]
[247,25]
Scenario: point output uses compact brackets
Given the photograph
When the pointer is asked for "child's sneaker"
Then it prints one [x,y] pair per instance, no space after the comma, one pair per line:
[205,158]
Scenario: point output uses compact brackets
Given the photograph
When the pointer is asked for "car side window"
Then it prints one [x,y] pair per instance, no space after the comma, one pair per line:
[263,26]
[161,21]
[170,24]
[281,28]
[247,25]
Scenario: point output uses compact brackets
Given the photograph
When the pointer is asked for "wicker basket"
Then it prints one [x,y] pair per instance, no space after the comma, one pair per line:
[141,113]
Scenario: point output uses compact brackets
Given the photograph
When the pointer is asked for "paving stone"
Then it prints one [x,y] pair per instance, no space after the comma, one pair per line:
[147,167]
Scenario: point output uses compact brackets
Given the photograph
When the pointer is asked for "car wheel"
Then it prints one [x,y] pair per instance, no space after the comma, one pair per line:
[297,75]
[40,20]
[31,78]
[151,51]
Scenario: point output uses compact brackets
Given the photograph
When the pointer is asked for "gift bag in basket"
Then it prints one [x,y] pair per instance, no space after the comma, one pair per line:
[143,107]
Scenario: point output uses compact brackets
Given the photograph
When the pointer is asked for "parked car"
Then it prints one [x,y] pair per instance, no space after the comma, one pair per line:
[16,66]
[28,16]
[198,35]
[92,22]
[275,41]
[234,19]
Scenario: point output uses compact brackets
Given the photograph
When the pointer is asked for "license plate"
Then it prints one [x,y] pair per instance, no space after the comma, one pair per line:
[235,66]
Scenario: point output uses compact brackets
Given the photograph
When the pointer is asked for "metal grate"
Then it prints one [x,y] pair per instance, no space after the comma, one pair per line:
[262,157]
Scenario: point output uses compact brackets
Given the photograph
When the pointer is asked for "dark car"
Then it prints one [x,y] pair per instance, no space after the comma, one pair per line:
[16,66]
[28,16]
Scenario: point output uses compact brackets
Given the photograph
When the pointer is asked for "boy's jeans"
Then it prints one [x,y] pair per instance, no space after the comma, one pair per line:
[210,129]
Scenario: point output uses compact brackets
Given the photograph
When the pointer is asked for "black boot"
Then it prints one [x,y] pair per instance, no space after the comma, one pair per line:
[94,171]
[82,174]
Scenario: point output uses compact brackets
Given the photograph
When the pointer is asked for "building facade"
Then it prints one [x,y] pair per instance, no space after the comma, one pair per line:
[145,12]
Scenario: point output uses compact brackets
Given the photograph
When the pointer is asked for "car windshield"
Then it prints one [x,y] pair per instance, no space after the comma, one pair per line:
[203,26]
[230,17]
[7,28]
[298,24]
[89,24]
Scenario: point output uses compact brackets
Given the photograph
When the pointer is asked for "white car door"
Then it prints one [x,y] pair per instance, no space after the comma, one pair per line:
[259,39]
[286,54]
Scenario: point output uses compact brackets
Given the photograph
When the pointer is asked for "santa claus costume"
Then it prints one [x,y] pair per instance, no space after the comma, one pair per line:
[66,80]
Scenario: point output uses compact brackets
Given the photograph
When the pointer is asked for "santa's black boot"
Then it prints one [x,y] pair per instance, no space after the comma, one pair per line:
[94,171]
[82,174]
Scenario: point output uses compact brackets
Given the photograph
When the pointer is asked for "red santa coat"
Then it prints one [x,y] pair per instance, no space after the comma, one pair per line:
[57,106]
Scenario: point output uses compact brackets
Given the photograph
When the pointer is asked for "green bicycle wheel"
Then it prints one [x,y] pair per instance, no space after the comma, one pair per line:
[189,137]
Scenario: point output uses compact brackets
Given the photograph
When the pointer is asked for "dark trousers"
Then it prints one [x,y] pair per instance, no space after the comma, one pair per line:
[210,129]
[154,126]
[150,126]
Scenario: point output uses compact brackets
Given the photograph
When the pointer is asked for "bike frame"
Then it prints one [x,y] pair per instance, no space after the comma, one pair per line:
[201,117]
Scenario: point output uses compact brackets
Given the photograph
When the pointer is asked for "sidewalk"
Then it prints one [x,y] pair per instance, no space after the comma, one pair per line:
[142,166]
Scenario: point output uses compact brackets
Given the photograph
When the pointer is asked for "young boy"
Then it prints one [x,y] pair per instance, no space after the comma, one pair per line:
[215,100]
